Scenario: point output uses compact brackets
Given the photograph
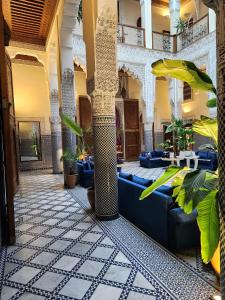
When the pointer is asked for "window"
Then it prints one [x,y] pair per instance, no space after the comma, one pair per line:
[29,140]
[187,92]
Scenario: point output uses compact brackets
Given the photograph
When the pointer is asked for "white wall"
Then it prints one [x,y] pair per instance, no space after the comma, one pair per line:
[162,104]
[130,11]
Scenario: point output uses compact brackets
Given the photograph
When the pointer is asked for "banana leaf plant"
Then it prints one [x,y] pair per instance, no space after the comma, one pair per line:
[70,156]
[196,189]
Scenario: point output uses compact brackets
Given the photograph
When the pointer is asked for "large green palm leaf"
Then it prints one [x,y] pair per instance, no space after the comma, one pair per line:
[185,71]
[207,127]
[75,128]
[169,174]
[208,222]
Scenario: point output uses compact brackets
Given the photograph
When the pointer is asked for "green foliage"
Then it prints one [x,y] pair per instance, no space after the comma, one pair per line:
[212,102]
[74,127]
[169,174]
[166,145]
[208,222]
[194,189]
[69,156]
[181,26]
[207,127]
[183,136]
[185,71]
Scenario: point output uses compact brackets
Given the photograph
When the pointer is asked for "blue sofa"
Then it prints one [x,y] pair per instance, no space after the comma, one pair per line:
[157,215]
[207,160]
[86,173]
[153,159]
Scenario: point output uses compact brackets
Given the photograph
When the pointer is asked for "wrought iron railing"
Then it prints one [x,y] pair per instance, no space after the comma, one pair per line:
[131,35]
[195,32]
[163,42]
[177,42]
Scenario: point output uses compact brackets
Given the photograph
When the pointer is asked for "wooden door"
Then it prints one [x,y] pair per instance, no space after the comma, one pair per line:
[85,113]
[9,131]
[132,130]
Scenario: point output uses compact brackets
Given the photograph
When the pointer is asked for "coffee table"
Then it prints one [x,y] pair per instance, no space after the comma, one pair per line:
[188,159]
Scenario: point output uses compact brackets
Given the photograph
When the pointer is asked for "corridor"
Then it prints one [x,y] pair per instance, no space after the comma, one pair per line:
[63,252]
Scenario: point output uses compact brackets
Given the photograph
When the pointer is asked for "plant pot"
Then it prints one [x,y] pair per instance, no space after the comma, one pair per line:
[91,197]
[70,181]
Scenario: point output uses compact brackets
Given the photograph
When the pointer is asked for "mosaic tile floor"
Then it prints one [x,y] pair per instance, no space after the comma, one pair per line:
[63,252]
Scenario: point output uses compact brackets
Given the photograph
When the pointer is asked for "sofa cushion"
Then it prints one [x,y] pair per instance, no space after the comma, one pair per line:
[142,181]
[88,172]
[158,153]
[125,175]
[168,190]
[203,154]
[212,155]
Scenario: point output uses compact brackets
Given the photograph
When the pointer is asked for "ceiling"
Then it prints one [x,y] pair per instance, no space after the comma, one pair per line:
[29,20]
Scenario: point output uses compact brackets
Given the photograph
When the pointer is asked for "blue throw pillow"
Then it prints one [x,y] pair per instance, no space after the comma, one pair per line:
[149,155]
[125,176]
[142,181]
[164,189]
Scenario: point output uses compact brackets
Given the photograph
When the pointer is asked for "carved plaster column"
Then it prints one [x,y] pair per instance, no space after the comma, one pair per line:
[148,134]
[68,109]
[56,136]
[176,97]
[146,19]
[55,122]
[174,6]
[148,93]
[67,73]
[100,39]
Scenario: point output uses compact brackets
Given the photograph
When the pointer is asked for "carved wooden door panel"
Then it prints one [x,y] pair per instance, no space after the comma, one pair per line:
[85,113]
[132,131]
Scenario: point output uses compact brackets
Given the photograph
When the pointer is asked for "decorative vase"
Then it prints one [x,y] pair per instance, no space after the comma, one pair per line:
[70,181]
[91,197]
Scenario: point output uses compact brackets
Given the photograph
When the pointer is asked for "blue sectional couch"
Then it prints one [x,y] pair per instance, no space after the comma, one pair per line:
[153,159]
[86,173]
[207,160]
[157,215]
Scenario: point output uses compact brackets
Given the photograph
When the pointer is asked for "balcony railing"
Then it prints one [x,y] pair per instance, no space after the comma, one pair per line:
[131,35]
[177,42]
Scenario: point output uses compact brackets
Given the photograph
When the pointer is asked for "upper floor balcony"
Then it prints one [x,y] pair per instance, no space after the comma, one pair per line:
[131,35]
[135,36]
[175,43]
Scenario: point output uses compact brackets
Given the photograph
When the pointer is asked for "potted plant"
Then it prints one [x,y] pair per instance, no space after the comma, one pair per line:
[70,156]
[182,137]
[70,172]
[167,147]
[196,189]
